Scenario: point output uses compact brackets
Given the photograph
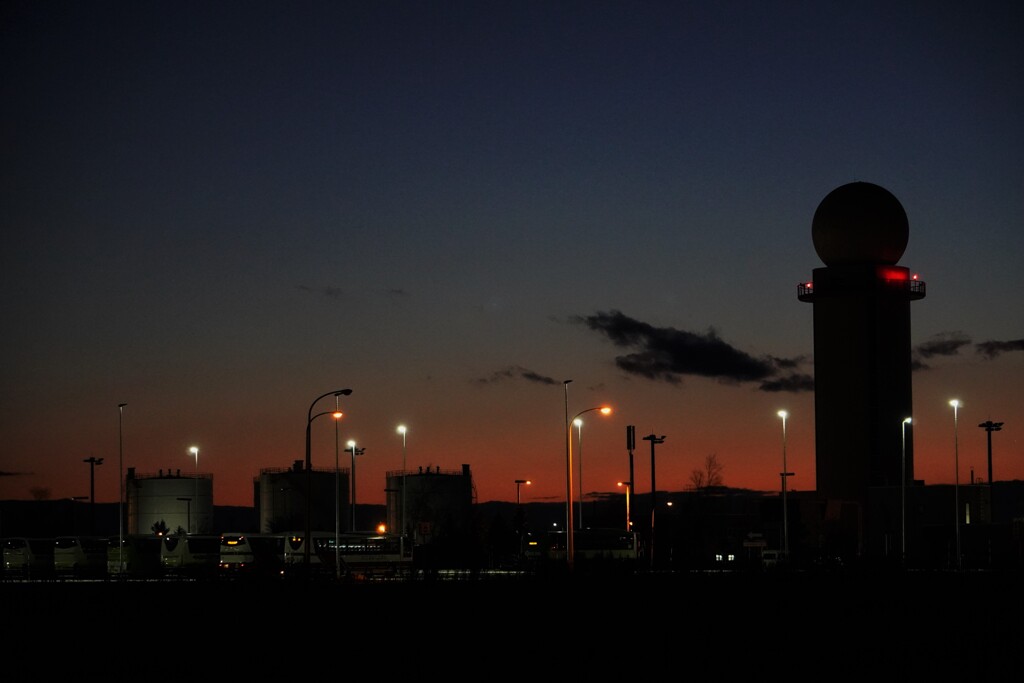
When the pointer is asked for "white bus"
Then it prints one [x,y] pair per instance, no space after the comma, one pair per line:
[190,556]
[80,556]
[243,554]
[28,558]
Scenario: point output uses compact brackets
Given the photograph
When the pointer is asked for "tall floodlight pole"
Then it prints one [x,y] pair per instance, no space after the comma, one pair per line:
[903,489]
[309,476]
[579,458]
[337,493]
[568,479]
[956,485]
[654,492]
[354,451]
[785,475]
[93,461]
[990,426]
[120,484]
[402,430]
[195,451]
[627,484]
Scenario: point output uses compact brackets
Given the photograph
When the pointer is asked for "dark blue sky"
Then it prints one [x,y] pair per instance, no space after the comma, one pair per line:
[216,212]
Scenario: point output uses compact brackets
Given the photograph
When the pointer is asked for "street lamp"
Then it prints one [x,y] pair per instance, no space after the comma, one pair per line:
[956,487]
[354,451]
[520,482]
[579,448]
[93,461]
[570,547]
[309,474]
[784,474]
[337,492]
[402,430]
[654,491]
[903,489]
[120,489]
[990,426]
[628,485]
[195,451]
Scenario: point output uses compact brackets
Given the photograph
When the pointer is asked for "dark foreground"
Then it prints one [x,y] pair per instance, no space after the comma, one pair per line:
[694,626]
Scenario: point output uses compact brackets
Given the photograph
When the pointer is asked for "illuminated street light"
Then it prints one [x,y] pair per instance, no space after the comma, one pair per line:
[903,490]
[956,468]
[569,541]
[309,474]
[120,489]
[337,415]
[520,482]
[628,485]
[579,458]
[354,451]
[402,430]
[195,451]
[785,474]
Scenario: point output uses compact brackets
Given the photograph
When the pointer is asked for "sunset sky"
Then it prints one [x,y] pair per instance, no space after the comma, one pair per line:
[215,212]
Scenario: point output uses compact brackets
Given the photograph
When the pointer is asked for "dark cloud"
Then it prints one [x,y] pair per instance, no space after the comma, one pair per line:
[517,372]
[13,474]
[794,383]
[945,344]
[991,349]
[328,291]
[667,354]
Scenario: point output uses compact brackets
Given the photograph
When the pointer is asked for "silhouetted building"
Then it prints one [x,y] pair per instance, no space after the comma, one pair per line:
[169,501]
[862,360]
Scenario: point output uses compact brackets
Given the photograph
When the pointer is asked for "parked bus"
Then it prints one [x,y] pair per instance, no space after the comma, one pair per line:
[28,558]
[80,556]
[592,545]
[139,556]
[366,554]
[188,556]
[243,554]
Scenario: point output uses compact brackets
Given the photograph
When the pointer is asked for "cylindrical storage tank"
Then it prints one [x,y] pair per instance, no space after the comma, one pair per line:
[169,503]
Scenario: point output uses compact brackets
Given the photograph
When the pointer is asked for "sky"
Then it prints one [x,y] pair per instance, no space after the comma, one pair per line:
[216,213]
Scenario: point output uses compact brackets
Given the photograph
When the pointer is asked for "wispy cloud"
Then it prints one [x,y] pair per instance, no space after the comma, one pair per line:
[667,354]
[517,372]
[992,349]
[952,343]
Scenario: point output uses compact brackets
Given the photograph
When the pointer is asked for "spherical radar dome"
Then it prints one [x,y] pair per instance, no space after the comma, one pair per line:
[860,223]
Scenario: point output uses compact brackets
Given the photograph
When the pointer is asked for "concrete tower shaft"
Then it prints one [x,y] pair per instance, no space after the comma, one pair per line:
[862,361]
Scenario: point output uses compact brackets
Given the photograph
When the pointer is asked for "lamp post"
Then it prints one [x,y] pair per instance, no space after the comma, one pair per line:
[903,489]
[956,481]
[628,485]
[785,474]
[654,490]
[93,461]
[309,475]
[579,449]
[120,489]
[188,511]
[520,482]
[402,430]
[354,451]
[195,451]
[337,493]
[990,426]
[570,548]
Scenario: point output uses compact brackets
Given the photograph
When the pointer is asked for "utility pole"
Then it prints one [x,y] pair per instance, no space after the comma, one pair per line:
[654,492]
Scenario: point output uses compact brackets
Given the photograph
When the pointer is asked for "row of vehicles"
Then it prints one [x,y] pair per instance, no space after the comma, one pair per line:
[229,555]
